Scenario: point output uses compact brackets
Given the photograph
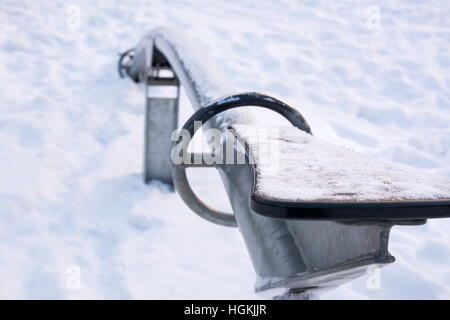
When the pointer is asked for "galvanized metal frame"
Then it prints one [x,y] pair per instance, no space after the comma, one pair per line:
[291,258]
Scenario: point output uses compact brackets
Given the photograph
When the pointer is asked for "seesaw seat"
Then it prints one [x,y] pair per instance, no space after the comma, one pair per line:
[299,176]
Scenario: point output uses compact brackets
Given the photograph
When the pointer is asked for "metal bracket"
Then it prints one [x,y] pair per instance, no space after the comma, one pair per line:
[161,119]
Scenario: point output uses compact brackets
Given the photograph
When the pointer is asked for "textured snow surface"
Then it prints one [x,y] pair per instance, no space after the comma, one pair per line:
[309,169]
[71,138]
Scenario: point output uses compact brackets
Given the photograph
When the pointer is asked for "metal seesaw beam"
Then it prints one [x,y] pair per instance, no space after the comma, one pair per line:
[291,258]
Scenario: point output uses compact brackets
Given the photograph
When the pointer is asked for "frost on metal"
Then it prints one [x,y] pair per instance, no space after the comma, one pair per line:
[310,169]
[210,80]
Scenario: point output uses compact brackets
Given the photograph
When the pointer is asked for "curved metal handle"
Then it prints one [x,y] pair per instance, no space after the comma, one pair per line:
[121,65]
[183,187]
[204,114]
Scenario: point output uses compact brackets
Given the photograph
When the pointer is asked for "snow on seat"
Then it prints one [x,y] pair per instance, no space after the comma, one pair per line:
[310,178]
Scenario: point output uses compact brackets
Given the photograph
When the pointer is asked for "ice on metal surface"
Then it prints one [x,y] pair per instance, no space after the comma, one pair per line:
[210,81]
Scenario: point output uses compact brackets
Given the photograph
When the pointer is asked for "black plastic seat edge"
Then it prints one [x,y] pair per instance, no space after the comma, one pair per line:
[351,211]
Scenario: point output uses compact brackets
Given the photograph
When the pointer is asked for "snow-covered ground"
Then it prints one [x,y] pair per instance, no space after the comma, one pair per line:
[71,137]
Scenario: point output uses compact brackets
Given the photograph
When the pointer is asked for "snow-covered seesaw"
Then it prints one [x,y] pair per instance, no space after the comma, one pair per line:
[313,215]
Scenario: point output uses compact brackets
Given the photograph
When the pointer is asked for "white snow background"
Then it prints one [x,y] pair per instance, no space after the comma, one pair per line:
[71,138]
